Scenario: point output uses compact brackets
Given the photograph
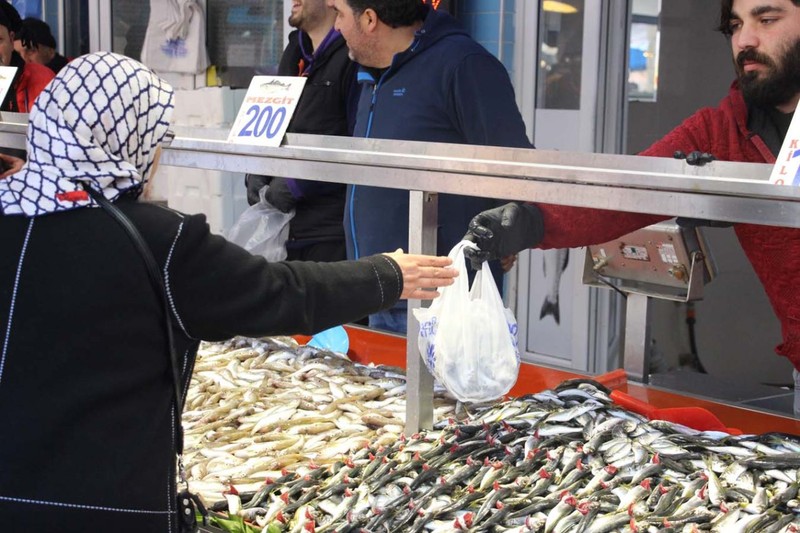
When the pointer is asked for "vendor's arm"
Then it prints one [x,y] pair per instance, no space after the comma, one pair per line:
[219,290]
[517,226]
[568,227]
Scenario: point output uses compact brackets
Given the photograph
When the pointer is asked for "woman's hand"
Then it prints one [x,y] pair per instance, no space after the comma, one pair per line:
[422,273]
[10,165]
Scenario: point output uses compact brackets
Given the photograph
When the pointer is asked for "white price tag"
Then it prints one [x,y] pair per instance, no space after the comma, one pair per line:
[267,109]
[787,167]
[6,78]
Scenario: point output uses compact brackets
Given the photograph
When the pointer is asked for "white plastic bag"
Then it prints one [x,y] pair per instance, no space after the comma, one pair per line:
[175,40]
[468,338]
[262,229]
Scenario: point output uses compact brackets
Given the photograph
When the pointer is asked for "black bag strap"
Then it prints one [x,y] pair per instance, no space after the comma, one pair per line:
[157,281]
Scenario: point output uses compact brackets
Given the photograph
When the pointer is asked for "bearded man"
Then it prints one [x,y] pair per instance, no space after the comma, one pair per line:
[327,107]
[748,126]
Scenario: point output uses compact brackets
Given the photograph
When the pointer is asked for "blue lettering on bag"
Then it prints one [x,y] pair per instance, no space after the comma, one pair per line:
[428,328]
[512,329]
[430,357]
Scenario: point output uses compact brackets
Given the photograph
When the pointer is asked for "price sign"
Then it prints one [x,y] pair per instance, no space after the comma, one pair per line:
[6,78]
[267,109]
[787,167]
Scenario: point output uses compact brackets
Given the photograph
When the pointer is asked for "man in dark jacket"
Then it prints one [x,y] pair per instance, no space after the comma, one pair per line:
[327,107]
[748,126]
[423,79]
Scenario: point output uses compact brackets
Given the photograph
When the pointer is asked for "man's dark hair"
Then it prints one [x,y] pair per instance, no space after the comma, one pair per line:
[394,13]
[34,32]
[726,14]
[9,17]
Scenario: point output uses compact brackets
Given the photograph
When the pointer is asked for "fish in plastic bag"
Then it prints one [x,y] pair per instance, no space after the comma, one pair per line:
[468,338]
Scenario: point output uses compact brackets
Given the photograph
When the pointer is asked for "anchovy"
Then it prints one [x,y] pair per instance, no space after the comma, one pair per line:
[563,460]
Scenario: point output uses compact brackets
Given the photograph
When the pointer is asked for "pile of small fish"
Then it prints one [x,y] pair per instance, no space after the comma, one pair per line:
[256,407]
[556,461]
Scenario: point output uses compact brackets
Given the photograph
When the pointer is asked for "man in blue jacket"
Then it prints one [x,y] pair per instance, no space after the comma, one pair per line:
[423,79]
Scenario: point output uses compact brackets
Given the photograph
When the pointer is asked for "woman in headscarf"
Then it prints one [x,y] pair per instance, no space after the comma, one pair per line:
[86,390]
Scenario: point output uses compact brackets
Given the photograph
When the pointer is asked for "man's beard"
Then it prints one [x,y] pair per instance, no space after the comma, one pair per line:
[778,84]
[296,20]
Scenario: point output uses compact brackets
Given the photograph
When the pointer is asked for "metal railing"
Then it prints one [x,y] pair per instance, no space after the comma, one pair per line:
[735,192]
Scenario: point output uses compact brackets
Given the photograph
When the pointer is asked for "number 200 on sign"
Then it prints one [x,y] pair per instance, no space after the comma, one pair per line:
[263,121]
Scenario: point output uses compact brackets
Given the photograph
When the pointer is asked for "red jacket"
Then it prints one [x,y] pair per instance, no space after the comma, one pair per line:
[33,80]
[773,251]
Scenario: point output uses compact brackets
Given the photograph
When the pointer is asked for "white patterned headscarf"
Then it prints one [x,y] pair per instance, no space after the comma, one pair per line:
[98,123]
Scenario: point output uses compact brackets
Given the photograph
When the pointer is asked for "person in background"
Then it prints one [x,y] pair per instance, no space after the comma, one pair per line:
[423,79]
[86,380]
[748,126]
[36,44]
[30,78]
[327,107]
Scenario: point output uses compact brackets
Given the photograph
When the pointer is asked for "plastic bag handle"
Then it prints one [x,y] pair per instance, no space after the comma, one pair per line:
[460,286]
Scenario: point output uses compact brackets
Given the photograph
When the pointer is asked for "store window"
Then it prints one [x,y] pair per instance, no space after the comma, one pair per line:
[560,51]
[643,51]
[76,27]
[243,37]
[129,19]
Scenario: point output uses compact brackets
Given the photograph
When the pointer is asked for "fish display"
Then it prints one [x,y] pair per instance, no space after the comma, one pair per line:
[257,407]
[560,460]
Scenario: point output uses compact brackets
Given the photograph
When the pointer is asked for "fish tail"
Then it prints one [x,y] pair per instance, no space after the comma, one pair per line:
[550,308]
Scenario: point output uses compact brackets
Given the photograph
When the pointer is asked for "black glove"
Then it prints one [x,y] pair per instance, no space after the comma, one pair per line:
[280,195]
[504,231]
[696,158]
[255,183]
[692,223]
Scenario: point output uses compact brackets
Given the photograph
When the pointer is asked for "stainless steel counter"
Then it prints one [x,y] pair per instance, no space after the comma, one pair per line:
[721,191]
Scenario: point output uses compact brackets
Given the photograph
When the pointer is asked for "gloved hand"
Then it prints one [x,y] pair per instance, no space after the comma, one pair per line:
[280,195]
[255,183]
[696,158]
[504,231]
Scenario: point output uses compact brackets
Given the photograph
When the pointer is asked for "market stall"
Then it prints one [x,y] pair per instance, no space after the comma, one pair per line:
[261,415]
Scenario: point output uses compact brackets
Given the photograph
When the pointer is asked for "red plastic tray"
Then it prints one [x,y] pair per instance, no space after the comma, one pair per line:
[369,346]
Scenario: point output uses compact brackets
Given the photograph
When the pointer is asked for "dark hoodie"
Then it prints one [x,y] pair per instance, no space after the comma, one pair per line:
[445,88]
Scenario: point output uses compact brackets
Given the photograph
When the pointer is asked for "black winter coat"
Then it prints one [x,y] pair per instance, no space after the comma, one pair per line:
[85,390]
[326,107]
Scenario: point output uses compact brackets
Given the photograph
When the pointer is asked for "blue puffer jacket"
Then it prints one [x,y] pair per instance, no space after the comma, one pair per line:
[444,88]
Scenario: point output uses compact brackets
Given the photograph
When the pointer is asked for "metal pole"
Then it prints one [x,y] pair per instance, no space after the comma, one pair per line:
[636,358]
[422,223]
